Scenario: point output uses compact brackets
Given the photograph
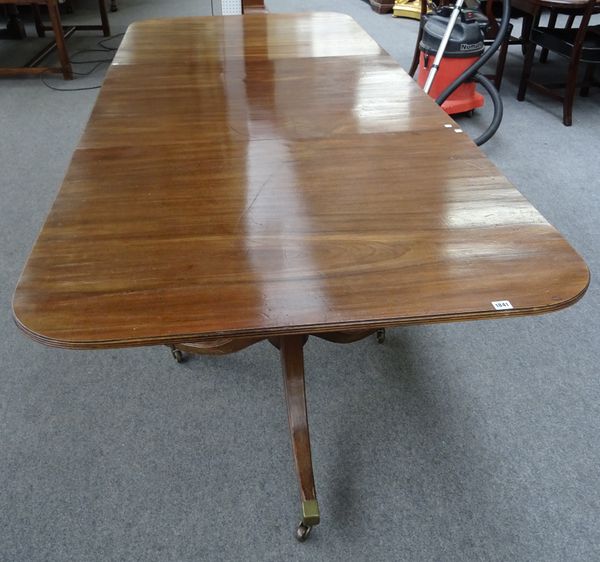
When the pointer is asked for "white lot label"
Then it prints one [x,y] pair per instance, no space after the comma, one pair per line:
[502,305]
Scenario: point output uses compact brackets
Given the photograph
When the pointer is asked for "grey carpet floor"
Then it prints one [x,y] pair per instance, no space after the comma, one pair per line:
[473,441]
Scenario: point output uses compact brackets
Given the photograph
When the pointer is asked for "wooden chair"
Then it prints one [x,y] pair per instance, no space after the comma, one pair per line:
[60,35]
[580,45]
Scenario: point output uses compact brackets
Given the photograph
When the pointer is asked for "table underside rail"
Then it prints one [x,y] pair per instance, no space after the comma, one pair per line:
[224,346]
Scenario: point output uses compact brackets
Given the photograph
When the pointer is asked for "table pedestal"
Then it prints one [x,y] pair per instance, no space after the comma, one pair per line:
[291,350]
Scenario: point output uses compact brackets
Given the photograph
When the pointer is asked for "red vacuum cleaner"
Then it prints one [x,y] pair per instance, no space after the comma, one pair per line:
[452,51]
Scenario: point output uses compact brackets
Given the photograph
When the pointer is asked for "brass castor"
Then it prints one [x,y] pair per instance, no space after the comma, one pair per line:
[177,355]
[303,531]
[380,335]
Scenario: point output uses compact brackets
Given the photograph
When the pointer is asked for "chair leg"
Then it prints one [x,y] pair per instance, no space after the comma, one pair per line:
[14,27]
[59,37]
[587,80]
[527,64]
[104,18]
[525,32]
[551,25]
[39,23]
[570,92]
[113,6]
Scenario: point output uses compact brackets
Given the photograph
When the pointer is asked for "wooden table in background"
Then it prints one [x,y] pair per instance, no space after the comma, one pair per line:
[532,7]
[278,176]
[532,10]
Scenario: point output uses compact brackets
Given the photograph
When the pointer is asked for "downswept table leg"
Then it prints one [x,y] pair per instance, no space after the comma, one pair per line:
[292,362]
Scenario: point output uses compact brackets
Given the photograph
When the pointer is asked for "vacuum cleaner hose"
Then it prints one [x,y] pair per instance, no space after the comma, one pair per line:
[498,109]
[471,74]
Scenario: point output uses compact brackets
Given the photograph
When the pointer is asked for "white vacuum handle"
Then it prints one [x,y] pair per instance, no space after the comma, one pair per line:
[443,45]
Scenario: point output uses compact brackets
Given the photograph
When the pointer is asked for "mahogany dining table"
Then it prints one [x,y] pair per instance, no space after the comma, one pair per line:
[277,177]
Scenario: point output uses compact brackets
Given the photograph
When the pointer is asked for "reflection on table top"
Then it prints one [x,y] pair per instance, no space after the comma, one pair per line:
[277,174]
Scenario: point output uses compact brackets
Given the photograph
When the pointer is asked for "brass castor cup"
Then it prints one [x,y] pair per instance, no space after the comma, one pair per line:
[310,518]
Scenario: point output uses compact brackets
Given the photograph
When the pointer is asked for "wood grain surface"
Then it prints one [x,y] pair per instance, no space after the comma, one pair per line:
[272,174]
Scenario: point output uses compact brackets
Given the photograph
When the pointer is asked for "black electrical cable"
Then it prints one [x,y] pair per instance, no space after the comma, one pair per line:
[96,62]
[84,88]
[101,43]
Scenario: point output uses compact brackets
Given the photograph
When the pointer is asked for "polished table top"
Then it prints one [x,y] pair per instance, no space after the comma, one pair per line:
[277,174]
